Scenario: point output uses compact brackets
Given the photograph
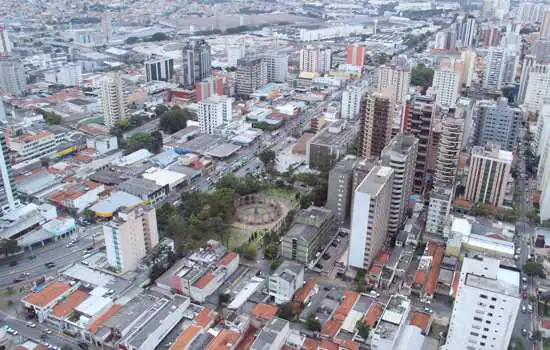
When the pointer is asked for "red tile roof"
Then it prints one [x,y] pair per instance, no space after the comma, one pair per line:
[224,340]
[331,328]
[227,259]
[107,315]
[373,314]
[346,344]
[205,317]
[434,271]
[66,306]
[265,311]
[186,337]
[204,280]
[50,293]
[248,338]
[545,324]
[456,279]
[345,307]
[303,292]
[422,320]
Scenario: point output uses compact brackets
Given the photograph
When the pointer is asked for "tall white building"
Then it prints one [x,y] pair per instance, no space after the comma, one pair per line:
[494,68]
[130,236]
[213,112]
[530,12]
[5,43]
[400,155]
[469,58]
[8,197]
[446,85]
[114,101]
[70,75]
[12,76]
[537,91]
[370,216]
[486,305]
[466,30]
[285,281]
[395,77]
[351,101]
[543,170]
[277,67]
[159,69]
[545,26]
[315,59]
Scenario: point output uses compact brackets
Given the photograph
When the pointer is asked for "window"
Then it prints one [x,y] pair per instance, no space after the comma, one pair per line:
[488,322]
[491,307]
[474,334]
[477,319]
[494,299]
[483,296]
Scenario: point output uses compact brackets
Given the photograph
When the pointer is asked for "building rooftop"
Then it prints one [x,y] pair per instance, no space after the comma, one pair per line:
[288,270]
[373,314]
[113,310]
[139,186]
[264,311]
[115,201]
[223,150]
[349,299]
[507,282]
[186,337]
[493,151]
[421,319]
[399,147]
[376,179]
[336,134]
[48,294]
[303,292]
[224,340]
[68,304]
[269,334]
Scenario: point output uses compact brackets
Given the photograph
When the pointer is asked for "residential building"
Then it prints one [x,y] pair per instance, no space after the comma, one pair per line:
[537,91]
[488,175]
[529,64]
[310,231]
[400,155]
[351,100]
[376,123]
[146,189]
[395,77]
[196,61]
[33,146]
[8,196]
[5,43]
[70,74]
[490,35]
[210,86]
[493,76]
[355,55]
[370,216]
[315,59]
[446,40]
[159,69]
[277,67]
[497,122]
[102,144]
[466,30]
[391,323]
[285,281]
[329,145]
[448,155]
[541,50]
[12,76]
[531,12]
[114,100]
[273,335]
[419,114]
[545,26]
[251,75]
[446,86]
[340,188]
[213,112]
[130,236]
[486,305]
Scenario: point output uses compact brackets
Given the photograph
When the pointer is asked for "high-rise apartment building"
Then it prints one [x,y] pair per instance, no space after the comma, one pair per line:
[12,76]
[114,101]
[486,305]
[340,188]
[494,68]
[277,67]
[251,75]
[315,59]
[545,26]
[446,40]
[490,35]
[369,221]
[488,175]
[530,65]
[543,169]
[5,43]
[213,112]
[531,12]
[400,155]
[446,166]
[419,115]
[196,62]
[106,27]
[159,69]
[376,123]
[355,55]
[130,236]
[395,77]
[537,91]
[469,59]
[211,86]
[466,30]
[8,196]
[541,50]
[446,86]
[69,74]
[497,122]
[351,100]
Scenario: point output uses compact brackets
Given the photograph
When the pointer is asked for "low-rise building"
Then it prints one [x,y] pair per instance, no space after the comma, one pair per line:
[102,144]
[34,146]
[285,281]
[148,190]
[272,336]
[389,327]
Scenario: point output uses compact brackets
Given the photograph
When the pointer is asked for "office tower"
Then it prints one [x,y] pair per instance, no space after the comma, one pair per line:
[446,165]
[376,123]
[395,77]
[545,26]
[400,155]
[5,43]
[316,60]
[355,55]
[277,67]
[446,85]
[159,69]
[196,61]
[419,115]
[211,86]
[486,305]
[130,236]
[340,188]
[106,26]
[497,122]
[70,74]
[494,69]
[537,91]
[8,196]
[251,75]
[113,100]
[351,100]
[469,59]
[466,30]
[369,221]
[531,12]
[488,175]
[213,112]
[12,76]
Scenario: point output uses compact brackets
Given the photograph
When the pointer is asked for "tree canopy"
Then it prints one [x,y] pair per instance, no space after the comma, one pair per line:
[49,117]
[268,157]
[534,269]
[422,76]
[175,119]
[312,323]
[152,142]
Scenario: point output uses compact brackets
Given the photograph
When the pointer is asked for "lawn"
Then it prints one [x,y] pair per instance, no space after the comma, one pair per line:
[282,193]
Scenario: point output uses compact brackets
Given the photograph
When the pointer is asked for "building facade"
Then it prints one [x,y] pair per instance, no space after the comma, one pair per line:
[493,76]
[315,59]
[160,69]
[497,122]
[114,101]
[537,91]
[285,281]
[376,123]
[8,196]
[395,77]
[213,112]
[355,55]
[351,101]
[340,188]
[12,76]
[251,75]
[196,62]
[211,86]
[277,67]
[370,217]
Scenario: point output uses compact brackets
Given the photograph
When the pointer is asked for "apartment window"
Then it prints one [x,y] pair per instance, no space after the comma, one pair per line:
[482,344]
[483,296]
[494,299]
[486,329]
[474,334]
[477,319]
[491,307]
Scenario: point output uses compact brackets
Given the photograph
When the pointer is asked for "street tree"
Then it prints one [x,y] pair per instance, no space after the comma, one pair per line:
[534,269]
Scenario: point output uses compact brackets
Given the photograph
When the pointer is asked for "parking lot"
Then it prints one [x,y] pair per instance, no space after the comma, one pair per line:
[327,260]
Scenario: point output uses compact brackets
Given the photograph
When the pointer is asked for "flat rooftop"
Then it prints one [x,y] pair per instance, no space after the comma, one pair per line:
[302,231]
[376,179]
[223,150]
[507,282]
